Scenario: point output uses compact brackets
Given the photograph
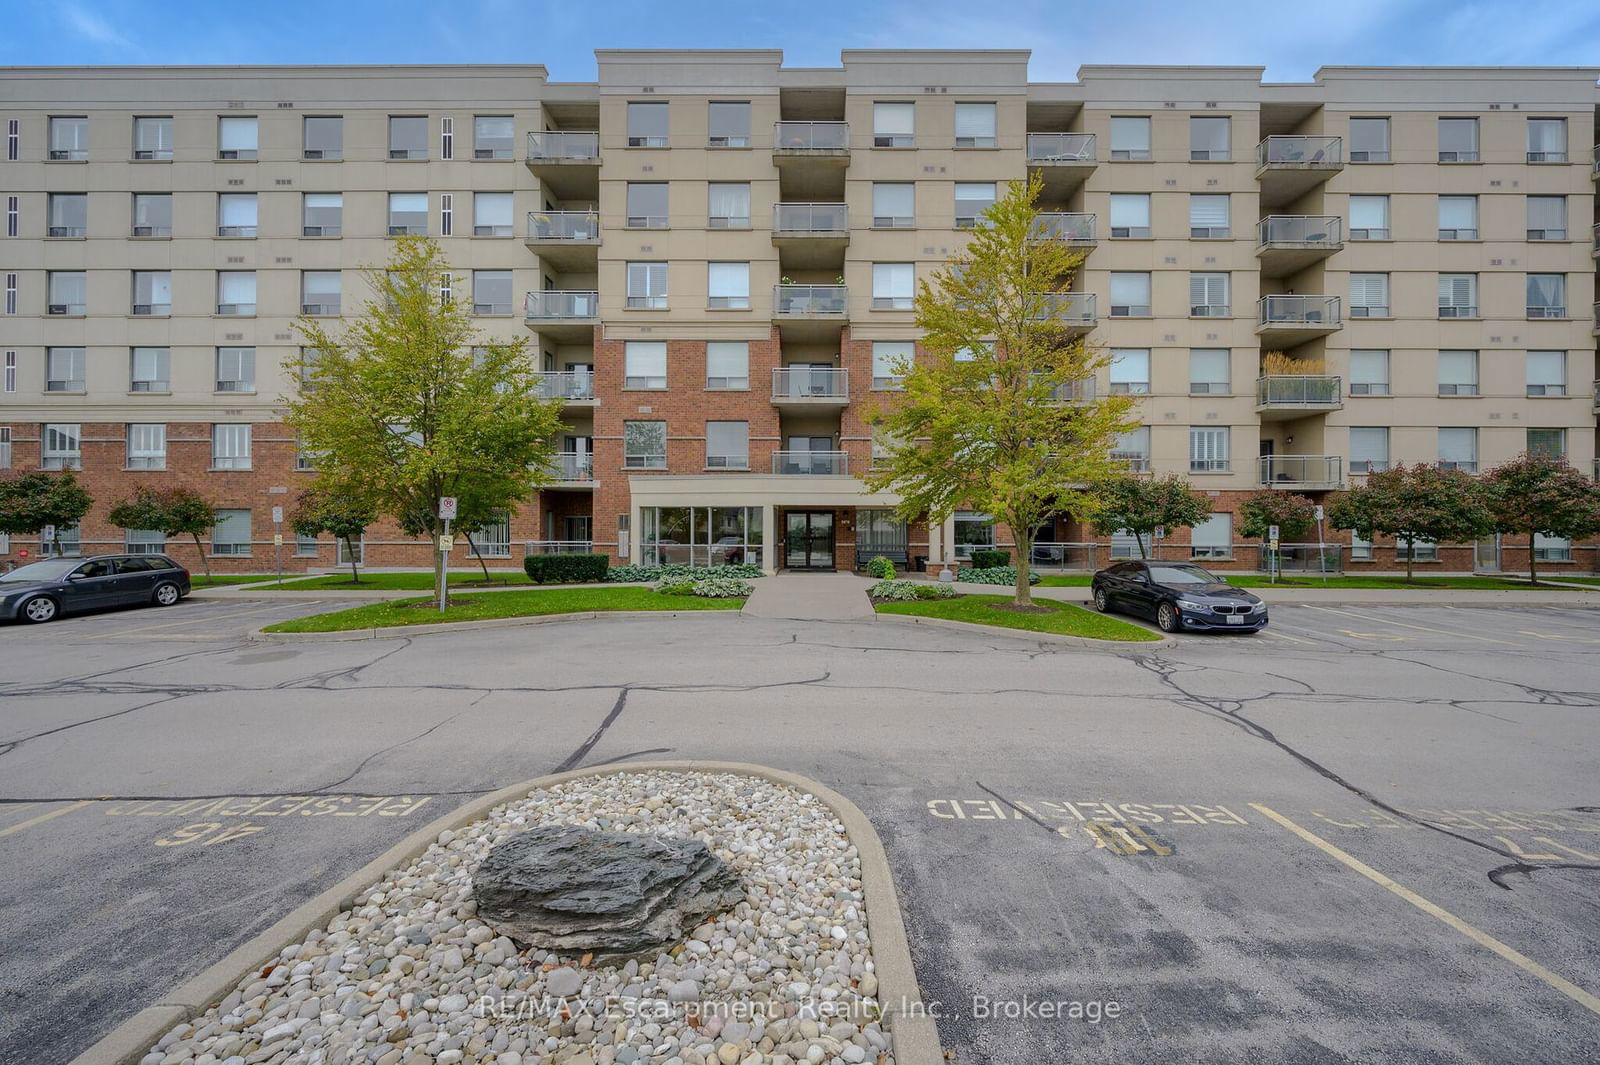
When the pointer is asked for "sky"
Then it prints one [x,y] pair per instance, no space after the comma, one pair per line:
[1290,40]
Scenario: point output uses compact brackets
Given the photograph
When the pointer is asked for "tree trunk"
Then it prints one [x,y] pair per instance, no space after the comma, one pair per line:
[1138,538]
[1024,596]
[204,561]
[350,549]
[1533,567]
[481,563]
[1411,557]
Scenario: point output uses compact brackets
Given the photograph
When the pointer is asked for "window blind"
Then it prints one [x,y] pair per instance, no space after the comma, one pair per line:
[1208,211]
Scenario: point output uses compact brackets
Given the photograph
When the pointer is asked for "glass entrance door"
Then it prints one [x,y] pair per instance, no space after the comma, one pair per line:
[808,539]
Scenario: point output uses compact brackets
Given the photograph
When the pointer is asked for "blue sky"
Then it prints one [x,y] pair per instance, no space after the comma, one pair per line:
[1291,40]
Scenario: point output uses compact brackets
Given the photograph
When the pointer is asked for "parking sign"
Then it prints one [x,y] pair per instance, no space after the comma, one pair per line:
[447,507]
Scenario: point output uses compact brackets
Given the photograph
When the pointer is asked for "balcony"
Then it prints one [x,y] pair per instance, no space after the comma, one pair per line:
[808,386]
[1280,396]
[575,387]
[1286,243]
[1132,461]
[1074,311]
[557,547]
[570,469]
[810,312]
[811,463]
[811,235]
[565,239]
[1074,228]
[1287,167]
[567,163]
[1290,320]
[826,141]
[1080,391]
[1063,160]
[1316,472]
[1595,242]
[1594,321]
[569,314]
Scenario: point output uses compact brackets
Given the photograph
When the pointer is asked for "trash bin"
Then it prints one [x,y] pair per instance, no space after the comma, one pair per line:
[919,563]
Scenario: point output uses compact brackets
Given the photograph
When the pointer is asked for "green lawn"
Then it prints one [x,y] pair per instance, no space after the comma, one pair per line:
[1569,580]
[403,582]
[1065,580]
[503,605]
[200,580]
[1251,580]
[1063,618]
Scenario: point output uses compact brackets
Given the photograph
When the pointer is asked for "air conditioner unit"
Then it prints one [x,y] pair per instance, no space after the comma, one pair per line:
[312,153]
[144,153]
[141,308]
[1456,312]
[144,231]
[1208,310]
[59,308]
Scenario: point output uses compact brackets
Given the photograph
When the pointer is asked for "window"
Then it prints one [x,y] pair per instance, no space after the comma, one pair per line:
[69,137]
[728,124]
[1130,214]
[1208,295]
[1551,443]
[1369,295]
[892,286]
[491,292]
[644,445]
[322,214]
[447,138]
[1547,295]
[230,447]
[1551,548]
[492,137]
[1369,140]
[1369,449]
[1209,138]
[1458,140]
[972,199]
[1547,218]
[728,445]
[446,213]
[147,447]
[894,125]
[728,205]
[728,286]
[1360,550]
[1547,140]
[1130,295]
[236,369]
[1547,373]
[69,214]
[324,137]
[231,534]
[883,445]
[68,543]
[236,137]
[702,536]
[408,136]
[152,137]
[408,214]
[13,215]
[320,292]
[61,447]
[68,292]
[1458,295]
[152,292]
[1458,373]
[1458,449]
[1133,449]
[1208,217]
[149,369]
[647,125]
[491,214]
[1130,371]
[727,364]
[236,292]
[1369,218]
[13,139]
[1209,372]
[1208,450]
[305,546]
[972,530]
[893,205]
[644,365]
[152,214]
[1416,550]
[1130,138]
[64,370]
[10,386]
[889,360]
[1369,372]
[975,126]
[1458,218]
[1212,538]
[11,293]
[647,286]
[236,214]
[647,205]
[144,542]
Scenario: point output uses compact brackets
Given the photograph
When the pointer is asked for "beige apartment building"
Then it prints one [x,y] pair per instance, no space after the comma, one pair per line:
[713,257]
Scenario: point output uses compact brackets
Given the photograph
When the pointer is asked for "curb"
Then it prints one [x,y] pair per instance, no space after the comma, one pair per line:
[396,631]
[1086,642]
[916,1036]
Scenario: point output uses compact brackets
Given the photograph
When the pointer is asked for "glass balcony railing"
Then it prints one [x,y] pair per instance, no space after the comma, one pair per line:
[810,219]
[575,227]
[1302,470]
[810,383]
[570,466]
[1074,228]
[1068,307]
[1298,229]
[1069,148]
[1080,391]
[1295,150]
[1310,391]
[810,301]
[829,137]
[554,304]
[811,463]
[563,146]
[1310,312]
[566,384]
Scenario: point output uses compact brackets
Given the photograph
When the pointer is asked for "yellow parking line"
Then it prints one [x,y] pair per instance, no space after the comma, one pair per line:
[1408,625]
[1510,954]
[42,818]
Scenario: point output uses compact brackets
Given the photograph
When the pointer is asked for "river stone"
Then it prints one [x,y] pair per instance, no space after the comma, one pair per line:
[574,889]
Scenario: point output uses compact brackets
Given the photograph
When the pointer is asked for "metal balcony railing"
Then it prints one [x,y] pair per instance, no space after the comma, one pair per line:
[558,303]
[830,137]
[1299,229]
[811,463]
[1068,307]
[1301,470]
[557,547]
[810,219]
[1072,227]
[1046,148]
[563,146]
[575,227]
[569,466]
[1080,391]
[1296,150]
[1132,461]
[806,382]
[1309,311]
[810,301]
[566,384]
[1061,555]
[1310,391]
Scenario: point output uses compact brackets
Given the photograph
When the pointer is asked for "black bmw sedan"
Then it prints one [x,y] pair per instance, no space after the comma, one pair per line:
[44,590]
[1178,596]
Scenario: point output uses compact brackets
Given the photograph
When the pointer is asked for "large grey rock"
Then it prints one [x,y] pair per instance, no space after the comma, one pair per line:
[567,888]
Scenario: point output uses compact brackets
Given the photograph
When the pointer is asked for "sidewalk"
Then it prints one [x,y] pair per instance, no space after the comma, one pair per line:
[812,597]
[265,590]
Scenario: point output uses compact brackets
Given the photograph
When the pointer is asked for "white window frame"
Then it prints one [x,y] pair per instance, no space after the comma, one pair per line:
[1129,215]
[894,124]
[493,214]
[1203,378]
[969,207]
[1204,538]
[144,542]
[1454,456]
[733,459]
[643,138]
[1209,450]
[894,286]
[1369,295]
[728,286]
[643,215]
[413,205]
[231,285]
[1555,309]
[505,151]
[1539,151]
[729,139]
[159,284]
[447,213]
[1460,365]
[420,152]
[1369,388]
[1364,212]
[146,446]
[1126,147]
[61,446]
[66,368]
[886,355]
[1556,231]
[158,378]
[230,446]
[1128,308]
[13,215]
[723,358]
[1130,371]
[644,460]
[315,292]
[1553,384]
[1208,295]
[10,374]
[1458,295]
[730,194]
[232,548]
[644,280]
[1459,154]
[238,136]
[447,137]
[1210,215]
[1369,461]
[1211,154]
[238,214]
[882,219]
[489,307]
[1461,212]
[644,364]
[235,369]
[1369,154]
[976,124]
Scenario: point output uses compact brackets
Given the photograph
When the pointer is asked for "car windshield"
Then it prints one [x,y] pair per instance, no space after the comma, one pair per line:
[50,569]
[1183,575]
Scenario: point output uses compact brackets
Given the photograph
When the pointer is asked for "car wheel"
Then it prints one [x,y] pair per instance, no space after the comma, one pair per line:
[1167,618]
[40,608]
[166,594]
[1102,601]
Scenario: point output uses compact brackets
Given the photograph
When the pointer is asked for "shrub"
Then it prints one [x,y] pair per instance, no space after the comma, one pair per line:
[566,569]
[989,558]
[675,586]
[903,591]
[722,588]
[645,574]
[992,575]
[880,568]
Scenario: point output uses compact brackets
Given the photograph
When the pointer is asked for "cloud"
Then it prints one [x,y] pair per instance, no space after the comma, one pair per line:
[93,28]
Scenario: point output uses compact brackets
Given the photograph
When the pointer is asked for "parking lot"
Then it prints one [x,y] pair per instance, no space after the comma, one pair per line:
[1367,834]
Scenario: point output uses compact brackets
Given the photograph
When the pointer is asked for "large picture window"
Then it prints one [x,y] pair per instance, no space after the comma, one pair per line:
[700,536]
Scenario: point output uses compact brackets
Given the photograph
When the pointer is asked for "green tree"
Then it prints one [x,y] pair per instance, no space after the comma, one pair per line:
[1294,515]
[1142,504]
[1412,504]
[1540,494]
[408,402]
[989,419]
[179,511]
[32,501]
[342,512]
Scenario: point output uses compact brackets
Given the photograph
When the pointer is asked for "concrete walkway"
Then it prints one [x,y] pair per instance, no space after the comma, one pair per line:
[811,597]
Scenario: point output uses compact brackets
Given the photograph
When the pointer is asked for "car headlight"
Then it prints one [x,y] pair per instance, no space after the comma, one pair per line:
[1259,608]
[1184,604]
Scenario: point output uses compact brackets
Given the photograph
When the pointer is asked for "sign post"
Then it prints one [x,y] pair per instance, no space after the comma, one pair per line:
[447,511]
[277,541]
[1274,567]
[47,536]
[1322,547]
